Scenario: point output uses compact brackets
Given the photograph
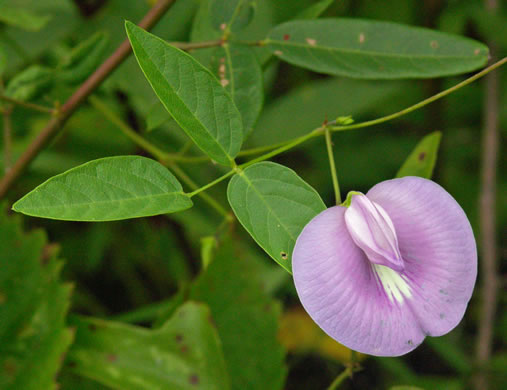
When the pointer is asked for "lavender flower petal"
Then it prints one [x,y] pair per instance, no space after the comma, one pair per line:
[438,246]
[375,309]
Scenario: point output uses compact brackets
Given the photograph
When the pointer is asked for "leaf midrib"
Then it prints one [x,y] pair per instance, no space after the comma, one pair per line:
[363,52]
[181,100]
[181,193]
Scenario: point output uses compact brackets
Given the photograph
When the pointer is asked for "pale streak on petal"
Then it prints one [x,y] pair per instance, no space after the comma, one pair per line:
[394,284]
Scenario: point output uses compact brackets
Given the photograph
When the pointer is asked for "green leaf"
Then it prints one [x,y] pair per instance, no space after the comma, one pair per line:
[22,18]
[33,306]
[83,59]
[191,94]
[314,10]
[107,189]
[423,158]
[374,50]
[239,71]
[30,83]
[185,353]
[231,15]
[273,204]
[246,319]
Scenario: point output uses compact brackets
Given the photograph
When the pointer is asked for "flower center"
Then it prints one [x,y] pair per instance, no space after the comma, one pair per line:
[373,231]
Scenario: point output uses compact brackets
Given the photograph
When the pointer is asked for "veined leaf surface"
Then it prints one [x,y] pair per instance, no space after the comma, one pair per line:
[107,189]
[374,50]
[191,93]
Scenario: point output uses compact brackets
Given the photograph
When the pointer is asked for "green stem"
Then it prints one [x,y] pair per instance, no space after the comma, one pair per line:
[332,166]
[315,133]
[128,131]
[340,378]
[163,157]
[204,196]
[209,185]
[424,102]
[196,45]
[30,106]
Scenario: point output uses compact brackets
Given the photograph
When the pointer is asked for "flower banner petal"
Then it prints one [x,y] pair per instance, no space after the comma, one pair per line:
[438,246]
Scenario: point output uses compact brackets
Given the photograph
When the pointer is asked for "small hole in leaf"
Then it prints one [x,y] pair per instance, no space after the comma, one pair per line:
[284,255]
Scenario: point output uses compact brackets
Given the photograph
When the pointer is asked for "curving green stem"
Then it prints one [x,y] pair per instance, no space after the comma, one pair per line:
[332,166]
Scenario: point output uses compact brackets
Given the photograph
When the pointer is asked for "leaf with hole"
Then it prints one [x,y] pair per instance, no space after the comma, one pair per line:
[192,95]
[273,204]
[423,158]
[374,50]
[107,189]
[184,353]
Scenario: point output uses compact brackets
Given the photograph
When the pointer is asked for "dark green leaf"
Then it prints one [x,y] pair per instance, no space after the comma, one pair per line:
[33,306]
[191,94]
[246,319]
[231,14]
[107,189]
[273,204]
[185,353]
[83,59]
[374,50]
[423,158]
[30,83]
[22,18]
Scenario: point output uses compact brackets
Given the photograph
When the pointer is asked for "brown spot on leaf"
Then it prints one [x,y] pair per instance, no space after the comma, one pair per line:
[224,82]
[422,156]
[311,42]
[3,298]
[286,37]
[92,327]
[477,51]
[111,357]
[434,44]
[361,38]
[193,379]
[184,349]
[278,52]
[223,26]
[178,338]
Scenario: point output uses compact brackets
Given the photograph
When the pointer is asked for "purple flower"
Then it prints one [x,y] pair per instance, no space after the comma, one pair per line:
[397,265]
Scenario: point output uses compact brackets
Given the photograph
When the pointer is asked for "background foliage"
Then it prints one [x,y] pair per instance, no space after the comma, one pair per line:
[170,291]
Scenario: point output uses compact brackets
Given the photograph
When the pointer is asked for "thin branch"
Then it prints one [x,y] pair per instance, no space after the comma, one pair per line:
[487,201]
[155,151]
[127,130]
[80,95]
[31,106]
[196,45]
[332,166]
[425,101]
